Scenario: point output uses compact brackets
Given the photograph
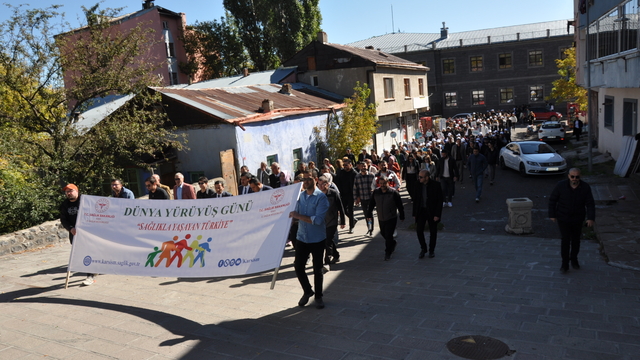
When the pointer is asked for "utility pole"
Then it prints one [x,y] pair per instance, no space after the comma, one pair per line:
[393,26]
[589,102]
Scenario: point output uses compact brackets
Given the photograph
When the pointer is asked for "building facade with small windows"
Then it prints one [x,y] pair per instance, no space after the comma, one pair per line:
[167,50]
[608,63]
[476,71]
[398,86]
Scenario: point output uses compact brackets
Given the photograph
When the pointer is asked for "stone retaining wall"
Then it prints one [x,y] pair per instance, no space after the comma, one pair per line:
[48,233]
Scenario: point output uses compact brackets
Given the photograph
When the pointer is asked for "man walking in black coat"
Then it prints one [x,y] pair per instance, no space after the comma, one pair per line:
[570,202]
[345,178]
[427,208]
[447,175]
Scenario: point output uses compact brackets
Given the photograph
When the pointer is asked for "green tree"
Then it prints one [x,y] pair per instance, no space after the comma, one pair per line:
[274,30]
[42,112]
[356,126]
[565,89]
[214,49]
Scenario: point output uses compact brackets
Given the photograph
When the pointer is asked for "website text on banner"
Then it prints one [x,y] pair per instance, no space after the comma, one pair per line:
[216,237]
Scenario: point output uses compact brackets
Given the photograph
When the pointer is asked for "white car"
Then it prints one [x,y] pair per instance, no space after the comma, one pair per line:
[532,158]
[551,131]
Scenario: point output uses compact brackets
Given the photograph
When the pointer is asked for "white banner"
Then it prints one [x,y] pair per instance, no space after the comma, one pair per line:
[226,236]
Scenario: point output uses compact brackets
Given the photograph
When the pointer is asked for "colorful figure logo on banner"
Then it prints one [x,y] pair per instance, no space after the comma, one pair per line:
[172,250]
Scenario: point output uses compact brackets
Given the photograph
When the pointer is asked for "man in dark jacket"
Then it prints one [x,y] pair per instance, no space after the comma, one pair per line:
[334,217]
[447,175]
[388,204]
[68,217]
[427,208]
[345,178]
[477,164]
[570,202]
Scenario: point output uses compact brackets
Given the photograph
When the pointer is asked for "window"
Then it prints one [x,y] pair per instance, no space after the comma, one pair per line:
[608,112]
[536,93]
[311,62]
[629,117]
[194,176]
[450,99]
[421,87]
[407,88]
[388,88]
[477,97]
[535,58]
[448,66]
[476,63]
[165,24]
[562,54]
[314,80]
[504,61]
[506,96]
[271,159]
[171,50]
[297,157]
[174,78]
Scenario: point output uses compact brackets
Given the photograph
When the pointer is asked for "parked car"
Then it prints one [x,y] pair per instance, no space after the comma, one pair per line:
[544,114]
[551,131]
[532,158]
[461,116]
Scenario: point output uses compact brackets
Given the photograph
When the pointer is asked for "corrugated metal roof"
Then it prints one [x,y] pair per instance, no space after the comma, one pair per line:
[395,43]
[243,103]
[262,77]
[92,117]
[377,56]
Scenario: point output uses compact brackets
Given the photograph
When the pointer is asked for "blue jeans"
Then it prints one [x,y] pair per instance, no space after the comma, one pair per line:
[478,180]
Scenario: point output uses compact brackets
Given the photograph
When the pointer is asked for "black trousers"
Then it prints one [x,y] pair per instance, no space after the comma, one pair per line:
[447,188]
[423,218]
[348,210]
[570,245]
[330,244]
[387,228]
[411,180]
[365,207]
[303,250]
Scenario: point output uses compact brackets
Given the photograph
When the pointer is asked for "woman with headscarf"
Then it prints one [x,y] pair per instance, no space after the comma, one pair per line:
[285,178]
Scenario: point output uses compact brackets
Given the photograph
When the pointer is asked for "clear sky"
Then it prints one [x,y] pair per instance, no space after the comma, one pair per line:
[346,21]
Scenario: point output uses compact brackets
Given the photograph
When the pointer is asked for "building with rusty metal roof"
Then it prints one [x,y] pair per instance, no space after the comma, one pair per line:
[257,121]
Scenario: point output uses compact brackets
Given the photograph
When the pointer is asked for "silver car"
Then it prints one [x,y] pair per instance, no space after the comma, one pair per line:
[532,158]
[551,131]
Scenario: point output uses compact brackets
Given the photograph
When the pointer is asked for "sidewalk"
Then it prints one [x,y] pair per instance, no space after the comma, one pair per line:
[504,287]
[617,224]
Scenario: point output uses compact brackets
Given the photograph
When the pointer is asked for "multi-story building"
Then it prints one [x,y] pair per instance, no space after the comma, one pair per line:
[608,63]
[480,70]
[398,86]
[167,51]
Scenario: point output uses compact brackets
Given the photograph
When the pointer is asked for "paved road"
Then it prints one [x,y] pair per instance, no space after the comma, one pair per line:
[504,287]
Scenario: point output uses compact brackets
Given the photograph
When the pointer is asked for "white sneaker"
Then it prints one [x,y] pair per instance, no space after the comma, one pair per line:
[395,233]
[444,204]
[449,204]
[89,280]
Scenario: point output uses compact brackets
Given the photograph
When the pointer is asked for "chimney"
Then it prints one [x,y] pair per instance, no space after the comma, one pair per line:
[267,105]
[444,31]
[322,37]
[147,4]
[370,47]
[245,72]
[286,90]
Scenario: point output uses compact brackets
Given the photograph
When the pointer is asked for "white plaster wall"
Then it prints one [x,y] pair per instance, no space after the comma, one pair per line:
[279,137]
[611,140]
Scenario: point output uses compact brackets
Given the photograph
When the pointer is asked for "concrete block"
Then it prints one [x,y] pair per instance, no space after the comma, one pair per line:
[519,216]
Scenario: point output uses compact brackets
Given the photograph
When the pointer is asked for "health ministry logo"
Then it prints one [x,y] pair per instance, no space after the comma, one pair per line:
[102,205]
[277,197]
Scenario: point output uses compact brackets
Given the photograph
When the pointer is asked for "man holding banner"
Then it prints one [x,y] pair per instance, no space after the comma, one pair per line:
[311,209]
[69,216]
